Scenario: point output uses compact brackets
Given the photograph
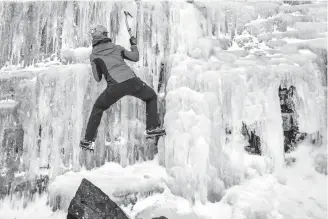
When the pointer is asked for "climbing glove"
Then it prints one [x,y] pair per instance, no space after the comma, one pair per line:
[133,41]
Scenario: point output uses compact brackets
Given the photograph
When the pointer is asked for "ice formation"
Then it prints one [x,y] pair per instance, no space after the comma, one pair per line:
[224,63]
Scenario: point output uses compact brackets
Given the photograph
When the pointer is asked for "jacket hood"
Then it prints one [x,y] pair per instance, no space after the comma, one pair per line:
[98,39]
[102,46]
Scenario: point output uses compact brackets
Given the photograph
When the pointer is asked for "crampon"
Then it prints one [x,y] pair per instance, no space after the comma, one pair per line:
[87,145]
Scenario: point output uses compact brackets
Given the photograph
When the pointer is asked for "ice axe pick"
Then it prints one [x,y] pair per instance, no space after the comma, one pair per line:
[126,22]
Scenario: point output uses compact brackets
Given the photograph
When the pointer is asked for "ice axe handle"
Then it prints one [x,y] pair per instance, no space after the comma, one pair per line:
[129,30]
[126,22]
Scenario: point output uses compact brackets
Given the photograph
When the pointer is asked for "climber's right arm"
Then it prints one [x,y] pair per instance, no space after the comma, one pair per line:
[132,55]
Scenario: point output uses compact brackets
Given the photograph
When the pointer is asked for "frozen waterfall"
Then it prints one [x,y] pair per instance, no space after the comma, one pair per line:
[225,65]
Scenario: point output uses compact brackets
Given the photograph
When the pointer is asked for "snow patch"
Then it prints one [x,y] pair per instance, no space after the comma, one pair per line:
[6,104]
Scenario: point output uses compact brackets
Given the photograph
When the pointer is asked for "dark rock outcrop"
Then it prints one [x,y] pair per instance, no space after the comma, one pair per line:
[289,117]
[254,141]
[91,202]
[292,136]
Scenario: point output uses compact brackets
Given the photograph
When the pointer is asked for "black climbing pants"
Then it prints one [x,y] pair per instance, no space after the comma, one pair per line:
[132,87]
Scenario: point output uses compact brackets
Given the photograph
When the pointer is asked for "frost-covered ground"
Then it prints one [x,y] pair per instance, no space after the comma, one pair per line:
[298,192]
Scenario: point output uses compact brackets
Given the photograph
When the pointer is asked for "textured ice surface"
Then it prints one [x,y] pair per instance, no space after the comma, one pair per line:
[111,178]
[299,191]
[224,63]
[7,103]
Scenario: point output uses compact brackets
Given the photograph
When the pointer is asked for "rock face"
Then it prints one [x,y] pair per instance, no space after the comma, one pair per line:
[91,202]
[254,141]
[292,136]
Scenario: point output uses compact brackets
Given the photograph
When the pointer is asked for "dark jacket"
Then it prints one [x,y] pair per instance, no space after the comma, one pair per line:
[108,59]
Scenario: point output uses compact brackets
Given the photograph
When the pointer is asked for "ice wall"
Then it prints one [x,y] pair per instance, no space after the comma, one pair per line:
[223,64]
[212,89]
[45,107]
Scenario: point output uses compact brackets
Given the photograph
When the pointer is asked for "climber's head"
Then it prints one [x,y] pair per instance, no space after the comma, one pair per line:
[99,35]
[99,31]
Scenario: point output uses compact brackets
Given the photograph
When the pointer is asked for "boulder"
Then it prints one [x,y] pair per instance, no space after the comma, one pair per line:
[91,202]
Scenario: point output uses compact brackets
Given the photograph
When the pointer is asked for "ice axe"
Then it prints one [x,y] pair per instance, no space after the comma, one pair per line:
[126,22]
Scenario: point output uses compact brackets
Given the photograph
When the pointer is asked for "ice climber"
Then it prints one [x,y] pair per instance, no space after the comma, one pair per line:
[107,59]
